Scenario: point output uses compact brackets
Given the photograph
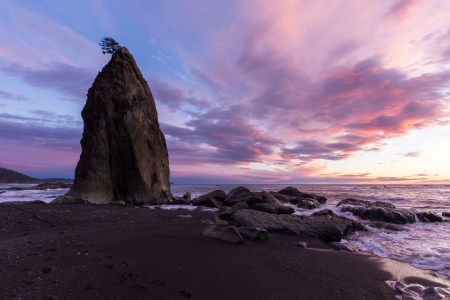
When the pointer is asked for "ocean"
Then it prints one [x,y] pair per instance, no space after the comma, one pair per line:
[423,245]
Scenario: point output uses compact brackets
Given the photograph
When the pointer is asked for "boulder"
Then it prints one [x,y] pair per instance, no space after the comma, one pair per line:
[307,203]
[256,234]
[236,194]
[217,195]
[273,208]
[124,154]
[225,213]
[65,199]
[187,196]
[180,201]
[377,211]
[283,198]
[212,202]
[324,212]
[214,220]
[350,201]
[291,191]
[427,217]
[343,247]
[416,291]
[1,192]
[269,198]
[446,214]
[226,234]
[327,228]
[240,205]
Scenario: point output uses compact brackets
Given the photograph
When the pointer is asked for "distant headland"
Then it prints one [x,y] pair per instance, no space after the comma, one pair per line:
[10,176]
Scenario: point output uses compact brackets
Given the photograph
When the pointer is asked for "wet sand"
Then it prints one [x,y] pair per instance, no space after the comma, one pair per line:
[114,252]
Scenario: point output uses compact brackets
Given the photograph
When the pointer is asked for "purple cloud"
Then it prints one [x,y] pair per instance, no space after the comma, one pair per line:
[9,96]
[70,81]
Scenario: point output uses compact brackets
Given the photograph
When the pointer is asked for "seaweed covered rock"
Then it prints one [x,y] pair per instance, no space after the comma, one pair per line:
[124,155]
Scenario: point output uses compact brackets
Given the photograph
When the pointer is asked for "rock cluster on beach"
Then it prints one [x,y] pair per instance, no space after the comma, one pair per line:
[124,155]
[385,212]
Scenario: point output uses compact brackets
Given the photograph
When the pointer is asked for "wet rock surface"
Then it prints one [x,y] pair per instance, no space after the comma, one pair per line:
[377,211]
[385,212]
[417,291]
[326,228]
[124,155]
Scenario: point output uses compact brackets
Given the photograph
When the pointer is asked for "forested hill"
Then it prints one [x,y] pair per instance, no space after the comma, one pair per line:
[10,176]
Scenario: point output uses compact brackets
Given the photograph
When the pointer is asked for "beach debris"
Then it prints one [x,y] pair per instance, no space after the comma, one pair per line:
[300,244]
[124,153]
[326,228]
[226,234]
[344,247]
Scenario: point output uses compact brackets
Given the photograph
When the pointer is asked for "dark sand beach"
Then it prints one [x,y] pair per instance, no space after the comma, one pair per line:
[116,252]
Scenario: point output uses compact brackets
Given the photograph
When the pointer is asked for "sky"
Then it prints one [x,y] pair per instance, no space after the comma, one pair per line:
[247,91]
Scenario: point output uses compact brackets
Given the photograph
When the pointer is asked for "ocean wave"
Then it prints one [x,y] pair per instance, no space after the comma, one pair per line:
[389,198]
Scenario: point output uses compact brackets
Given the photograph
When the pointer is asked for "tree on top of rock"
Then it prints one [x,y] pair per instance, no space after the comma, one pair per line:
[109,45]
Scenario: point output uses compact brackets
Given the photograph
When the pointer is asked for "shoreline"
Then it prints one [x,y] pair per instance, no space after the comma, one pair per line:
[115,252]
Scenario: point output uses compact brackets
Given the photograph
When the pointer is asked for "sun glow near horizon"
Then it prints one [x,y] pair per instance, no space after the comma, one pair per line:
[246,91]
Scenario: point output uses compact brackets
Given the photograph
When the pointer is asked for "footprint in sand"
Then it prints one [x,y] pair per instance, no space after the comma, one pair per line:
[46,270]
[186,294]
[138,287]
[158,282]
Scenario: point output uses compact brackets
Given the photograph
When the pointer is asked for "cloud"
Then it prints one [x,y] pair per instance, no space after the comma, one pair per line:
[174,98]
[401,8]
[9,96]
[35,134]
[69,81]
[413,154]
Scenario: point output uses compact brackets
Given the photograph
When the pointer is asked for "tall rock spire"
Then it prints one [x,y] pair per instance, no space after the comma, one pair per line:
[124,153]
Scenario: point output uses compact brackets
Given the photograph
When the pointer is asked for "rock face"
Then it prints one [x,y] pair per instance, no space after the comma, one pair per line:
[124,154]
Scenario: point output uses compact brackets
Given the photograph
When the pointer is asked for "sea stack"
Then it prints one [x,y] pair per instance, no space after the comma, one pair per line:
[124,154]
